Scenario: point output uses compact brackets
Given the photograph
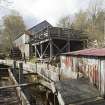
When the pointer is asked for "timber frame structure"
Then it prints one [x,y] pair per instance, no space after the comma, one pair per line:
[50,41]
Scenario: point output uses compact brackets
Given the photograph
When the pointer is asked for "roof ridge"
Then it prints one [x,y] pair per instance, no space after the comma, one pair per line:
[38,25]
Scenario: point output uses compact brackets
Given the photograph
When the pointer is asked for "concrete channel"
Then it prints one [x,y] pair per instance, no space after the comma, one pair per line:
[13,94]
[8,96]
[10,92]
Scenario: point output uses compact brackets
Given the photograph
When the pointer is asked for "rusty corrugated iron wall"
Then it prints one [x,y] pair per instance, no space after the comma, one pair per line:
[91,67]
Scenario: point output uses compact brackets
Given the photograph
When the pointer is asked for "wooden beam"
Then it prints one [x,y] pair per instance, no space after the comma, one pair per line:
[14,86]
[45,49]
[51,49]
[41,51]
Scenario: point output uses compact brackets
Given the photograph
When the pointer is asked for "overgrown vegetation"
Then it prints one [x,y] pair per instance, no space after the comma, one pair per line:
[90,21]
[13,25]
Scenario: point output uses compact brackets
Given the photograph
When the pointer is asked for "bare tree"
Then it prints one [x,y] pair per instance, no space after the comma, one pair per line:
[80,21]
[65,22]
[13,26]
[96,20]
[90,21]
[95,6]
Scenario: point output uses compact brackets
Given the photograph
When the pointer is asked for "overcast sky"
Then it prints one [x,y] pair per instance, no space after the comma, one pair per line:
[35,11]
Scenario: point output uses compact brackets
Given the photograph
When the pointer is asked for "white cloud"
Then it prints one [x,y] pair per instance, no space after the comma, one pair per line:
[50,10]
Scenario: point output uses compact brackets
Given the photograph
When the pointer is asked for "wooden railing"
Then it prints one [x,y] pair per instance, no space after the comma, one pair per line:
[51,74]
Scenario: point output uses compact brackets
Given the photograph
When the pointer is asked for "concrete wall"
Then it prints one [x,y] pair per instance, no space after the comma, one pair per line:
[91,67]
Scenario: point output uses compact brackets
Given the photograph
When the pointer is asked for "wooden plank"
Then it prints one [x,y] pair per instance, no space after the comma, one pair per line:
[19,85]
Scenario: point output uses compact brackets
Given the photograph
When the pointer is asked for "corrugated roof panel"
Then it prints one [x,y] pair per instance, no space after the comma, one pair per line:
[88,52]
[40,26]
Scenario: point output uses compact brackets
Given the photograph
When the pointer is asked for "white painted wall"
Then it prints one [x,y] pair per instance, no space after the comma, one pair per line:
[91,67]
[21,42]
[102,77]
[22,39]
[66,70]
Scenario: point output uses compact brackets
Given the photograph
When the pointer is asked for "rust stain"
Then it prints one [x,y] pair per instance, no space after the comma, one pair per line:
[68,62]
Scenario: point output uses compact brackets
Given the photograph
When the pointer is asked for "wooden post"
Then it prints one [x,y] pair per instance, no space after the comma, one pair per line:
[87,43]
[41,49]
[20,72]
[68,42]
[68,45]
[14,67]
[20,76]
[35,51]
[59,66]
[14,64]
[36,66]
[24,57]
[51,50]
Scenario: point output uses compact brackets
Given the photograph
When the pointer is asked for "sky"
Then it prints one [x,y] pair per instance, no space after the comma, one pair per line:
[35,11]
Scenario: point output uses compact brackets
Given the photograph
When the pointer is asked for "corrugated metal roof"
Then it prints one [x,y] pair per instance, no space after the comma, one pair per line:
[39,26]
[35,29]
[88,52]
